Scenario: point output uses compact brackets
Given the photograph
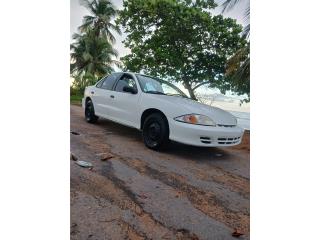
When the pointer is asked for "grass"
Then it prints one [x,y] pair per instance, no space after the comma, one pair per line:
[76,99]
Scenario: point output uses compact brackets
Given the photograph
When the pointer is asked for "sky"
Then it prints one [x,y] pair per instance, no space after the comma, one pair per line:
[77,11]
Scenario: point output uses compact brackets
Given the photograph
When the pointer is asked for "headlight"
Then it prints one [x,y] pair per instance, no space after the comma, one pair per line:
[196,119]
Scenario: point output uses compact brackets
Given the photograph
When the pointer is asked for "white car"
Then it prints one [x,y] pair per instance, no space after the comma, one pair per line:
[161,110]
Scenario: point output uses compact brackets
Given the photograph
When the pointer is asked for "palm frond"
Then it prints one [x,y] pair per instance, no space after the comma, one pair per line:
[76,36]
[119,64]
[238,70]
[246,31]
[247,14]
[108,34]
[116,28]
[90,5]
[102,12]
[227,5]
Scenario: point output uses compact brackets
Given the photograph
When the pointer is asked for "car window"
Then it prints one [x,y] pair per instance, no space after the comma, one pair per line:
[100,83]
[125,80]
[108,81]
[158,86]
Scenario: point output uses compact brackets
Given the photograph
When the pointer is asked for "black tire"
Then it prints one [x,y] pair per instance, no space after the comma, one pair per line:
[89,112]
[155,131]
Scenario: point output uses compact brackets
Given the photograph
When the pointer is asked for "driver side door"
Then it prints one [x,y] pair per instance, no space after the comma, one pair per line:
[125,105]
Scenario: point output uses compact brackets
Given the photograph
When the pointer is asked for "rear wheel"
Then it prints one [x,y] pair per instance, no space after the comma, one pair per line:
[155,131]
[89,112]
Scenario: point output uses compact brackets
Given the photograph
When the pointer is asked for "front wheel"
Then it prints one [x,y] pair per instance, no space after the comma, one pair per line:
[89,112]
[155,131]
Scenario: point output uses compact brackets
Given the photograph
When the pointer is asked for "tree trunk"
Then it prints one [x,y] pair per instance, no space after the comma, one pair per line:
[192,94]
[189,88]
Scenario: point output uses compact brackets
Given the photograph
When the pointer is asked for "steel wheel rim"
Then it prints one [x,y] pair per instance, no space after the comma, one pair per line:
[88,111]
[153,134]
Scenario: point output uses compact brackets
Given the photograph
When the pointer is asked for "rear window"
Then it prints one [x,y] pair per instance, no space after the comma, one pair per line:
[108,82]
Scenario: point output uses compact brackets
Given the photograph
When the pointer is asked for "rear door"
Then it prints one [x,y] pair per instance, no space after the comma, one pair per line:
[102,93]
[125,105]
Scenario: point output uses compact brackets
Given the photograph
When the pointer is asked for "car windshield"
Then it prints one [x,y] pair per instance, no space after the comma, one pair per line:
[157,86]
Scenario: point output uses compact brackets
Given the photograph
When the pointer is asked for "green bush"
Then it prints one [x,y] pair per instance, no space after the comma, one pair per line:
[74,91]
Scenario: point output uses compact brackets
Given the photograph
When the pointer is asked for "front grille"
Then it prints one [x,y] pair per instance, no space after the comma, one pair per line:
[229,140]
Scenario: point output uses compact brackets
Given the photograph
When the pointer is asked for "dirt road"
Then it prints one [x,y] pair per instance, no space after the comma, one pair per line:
[136,193]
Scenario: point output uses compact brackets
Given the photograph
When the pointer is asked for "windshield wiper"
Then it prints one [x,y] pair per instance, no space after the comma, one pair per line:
[155,92]
[179,95]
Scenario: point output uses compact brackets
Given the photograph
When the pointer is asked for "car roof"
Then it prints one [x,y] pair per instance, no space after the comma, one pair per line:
[135,73]
[127,72]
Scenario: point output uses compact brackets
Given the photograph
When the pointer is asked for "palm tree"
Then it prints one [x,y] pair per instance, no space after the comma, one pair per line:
[102,13]
[91,57]
[227,5]
[238,66]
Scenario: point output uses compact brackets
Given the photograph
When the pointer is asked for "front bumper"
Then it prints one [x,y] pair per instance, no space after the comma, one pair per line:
[205,136]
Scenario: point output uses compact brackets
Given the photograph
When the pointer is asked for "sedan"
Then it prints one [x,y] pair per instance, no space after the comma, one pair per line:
[160,110]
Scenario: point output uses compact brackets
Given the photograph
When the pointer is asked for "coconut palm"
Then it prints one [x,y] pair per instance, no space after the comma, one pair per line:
[228,5]
[238,66]
[102,14]
[91,57]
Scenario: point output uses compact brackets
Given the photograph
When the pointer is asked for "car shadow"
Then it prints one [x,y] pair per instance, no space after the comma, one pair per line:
[116,128]
[173,149]
[196,153]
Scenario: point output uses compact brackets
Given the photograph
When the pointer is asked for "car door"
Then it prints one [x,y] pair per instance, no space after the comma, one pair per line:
[101,95]
[124,104]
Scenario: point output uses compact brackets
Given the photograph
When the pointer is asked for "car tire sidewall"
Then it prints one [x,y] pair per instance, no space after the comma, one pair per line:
[164,132]
[90,117]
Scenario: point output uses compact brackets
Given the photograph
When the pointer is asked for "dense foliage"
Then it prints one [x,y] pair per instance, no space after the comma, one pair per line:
[180,40]
[238,66]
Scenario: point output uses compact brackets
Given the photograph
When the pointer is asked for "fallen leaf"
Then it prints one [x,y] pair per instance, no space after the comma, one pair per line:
[106,157]
[73,157]
[142,196]
[236,233]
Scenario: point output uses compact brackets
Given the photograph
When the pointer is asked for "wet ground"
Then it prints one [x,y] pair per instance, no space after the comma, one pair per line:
[136,193]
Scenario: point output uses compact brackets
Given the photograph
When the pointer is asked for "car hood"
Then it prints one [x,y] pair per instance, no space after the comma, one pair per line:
[187,106]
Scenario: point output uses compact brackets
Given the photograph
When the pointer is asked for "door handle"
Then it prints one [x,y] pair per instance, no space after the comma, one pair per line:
[92,92]
[111,96]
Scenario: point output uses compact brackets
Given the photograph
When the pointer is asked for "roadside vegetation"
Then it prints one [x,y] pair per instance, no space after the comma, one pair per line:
[177,40]
[75,96]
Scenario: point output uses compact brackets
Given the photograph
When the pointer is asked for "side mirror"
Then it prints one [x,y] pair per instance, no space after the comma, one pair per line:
[129,89]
